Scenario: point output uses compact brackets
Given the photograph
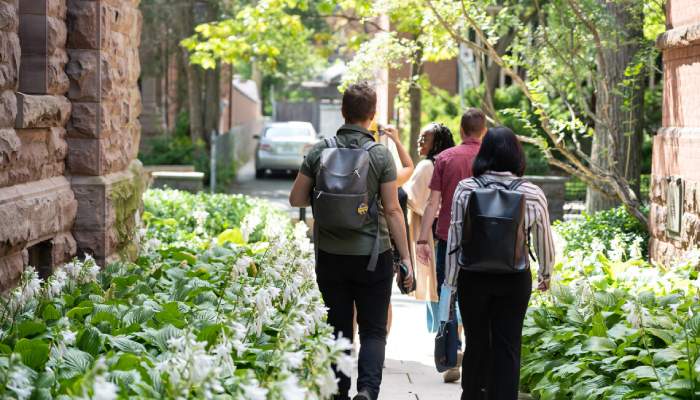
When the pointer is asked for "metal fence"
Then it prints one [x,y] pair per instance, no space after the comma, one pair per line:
[576,189]
[230,151]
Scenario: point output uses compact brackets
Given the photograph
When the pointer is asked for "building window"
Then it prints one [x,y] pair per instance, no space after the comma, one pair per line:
[33,39]
[40,258]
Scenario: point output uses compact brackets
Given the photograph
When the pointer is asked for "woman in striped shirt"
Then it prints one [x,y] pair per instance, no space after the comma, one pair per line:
[493,306]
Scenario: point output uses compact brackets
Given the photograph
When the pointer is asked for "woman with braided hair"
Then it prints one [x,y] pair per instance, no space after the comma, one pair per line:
[434,138]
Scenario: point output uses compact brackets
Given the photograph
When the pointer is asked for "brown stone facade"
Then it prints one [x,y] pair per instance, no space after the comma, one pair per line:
[69,131]
[676,155]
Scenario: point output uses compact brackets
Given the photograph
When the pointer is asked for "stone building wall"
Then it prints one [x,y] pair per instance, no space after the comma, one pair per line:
[104,131]
[37,205]
[69,106]
[676,155]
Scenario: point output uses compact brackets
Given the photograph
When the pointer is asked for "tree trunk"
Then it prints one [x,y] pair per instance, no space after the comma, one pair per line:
[617,143]
[211,100]
[415,96]
[194,100]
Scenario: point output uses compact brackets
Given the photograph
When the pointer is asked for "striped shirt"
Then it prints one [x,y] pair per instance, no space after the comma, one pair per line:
[536,219]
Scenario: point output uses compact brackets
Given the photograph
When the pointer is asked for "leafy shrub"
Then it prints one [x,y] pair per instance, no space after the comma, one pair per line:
[614,329]
[209,310]
[607,229]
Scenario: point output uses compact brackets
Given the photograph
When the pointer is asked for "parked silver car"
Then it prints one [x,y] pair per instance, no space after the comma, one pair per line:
[282,146]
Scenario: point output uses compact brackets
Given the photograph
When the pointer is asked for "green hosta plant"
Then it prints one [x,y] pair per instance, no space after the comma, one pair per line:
[614,328]
[214,308]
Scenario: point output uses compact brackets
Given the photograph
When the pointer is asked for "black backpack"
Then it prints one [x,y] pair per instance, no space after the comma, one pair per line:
[494,236]
[340,197]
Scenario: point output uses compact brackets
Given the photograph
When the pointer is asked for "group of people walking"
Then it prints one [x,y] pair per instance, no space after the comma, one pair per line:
[463,238]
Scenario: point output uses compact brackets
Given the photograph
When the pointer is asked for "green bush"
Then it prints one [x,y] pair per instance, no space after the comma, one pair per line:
[222,303]
[607,229]
[614,329]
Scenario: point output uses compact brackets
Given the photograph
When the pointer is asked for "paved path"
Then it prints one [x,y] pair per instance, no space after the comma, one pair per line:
[410,371]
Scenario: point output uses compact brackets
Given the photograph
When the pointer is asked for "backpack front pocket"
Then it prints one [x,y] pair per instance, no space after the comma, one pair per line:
[334,210]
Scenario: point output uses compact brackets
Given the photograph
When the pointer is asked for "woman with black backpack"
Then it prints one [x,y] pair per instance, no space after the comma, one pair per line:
[494,215]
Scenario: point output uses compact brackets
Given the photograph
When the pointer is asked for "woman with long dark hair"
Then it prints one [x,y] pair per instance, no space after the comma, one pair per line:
[493,305]
[433,139]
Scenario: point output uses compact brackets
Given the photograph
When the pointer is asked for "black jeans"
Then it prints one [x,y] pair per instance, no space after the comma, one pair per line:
[440,258]
[493,310]
[344,281]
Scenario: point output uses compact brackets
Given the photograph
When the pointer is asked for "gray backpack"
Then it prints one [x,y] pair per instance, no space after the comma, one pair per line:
[340,198]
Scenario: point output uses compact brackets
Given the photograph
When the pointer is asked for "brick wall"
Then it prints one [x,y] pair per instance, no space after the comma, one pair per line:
[677,145]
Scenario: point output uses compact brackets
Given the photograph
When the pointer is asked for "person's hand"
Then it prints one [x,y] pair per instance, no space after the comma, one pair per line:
[392,133]
[424,253]
[543,285]
[408,281]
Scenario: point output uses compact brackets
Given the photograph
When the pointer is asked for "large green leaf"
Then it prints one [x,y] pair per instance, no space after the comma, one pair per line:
[600,344]
[75,362]
[34,352]
[126,345]
[234,236]
[667,355]
[30,328]
[90,340]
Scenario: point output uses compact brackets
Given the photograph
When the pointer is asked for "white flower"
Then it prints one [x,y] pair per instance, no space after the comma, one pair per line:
[327,383]
[32,285]
[597,246]
[68,337]
[291,390]
[254,391]
[104,390]
[20,382]
[56,283]
[346,364]
[293,359]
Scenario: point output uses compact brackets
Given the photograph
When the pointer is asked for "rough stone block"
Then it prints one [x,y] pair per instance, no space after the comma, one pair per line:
[690,230]
[113,198]
[9,19]
[88,120]
[56,8]
[11,267]
[41,155]
[34,111]
[83,19]
[8,109]
[57,81]
[83,69]
[108,154]
[56,34]
[9,60]
[9,146]
[64,248]
[35,211]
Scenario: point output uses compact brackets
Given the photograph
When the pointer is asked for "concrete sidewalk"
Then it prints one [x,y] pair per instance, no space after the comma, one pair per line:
[409,369]
[409,372]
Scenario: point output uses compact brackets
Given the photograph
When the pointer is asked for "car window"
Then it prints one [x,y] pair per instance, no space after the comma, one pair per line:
[287,131]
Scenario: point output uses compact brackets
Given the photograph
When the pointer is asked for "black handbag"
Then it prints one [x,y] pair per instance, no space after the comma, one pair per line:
[446,345]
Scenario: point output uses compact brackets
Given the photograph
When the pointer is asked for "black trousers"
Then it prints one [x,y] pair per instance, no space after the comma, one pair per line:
[493,310]
[344,281]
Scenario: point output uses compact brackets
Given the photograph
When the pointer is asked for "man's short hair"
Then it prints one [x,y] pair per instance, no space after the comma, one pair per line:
[359,102]
[473,121]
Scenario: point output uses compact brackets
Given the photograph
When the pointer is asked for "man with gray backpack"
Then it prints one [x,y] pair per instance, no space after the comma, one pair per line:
[350,182]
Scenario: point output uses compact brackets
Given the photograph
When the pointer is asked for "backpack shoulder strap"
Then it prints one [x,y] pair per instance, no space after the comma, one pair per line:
[331,142]
[516,183]
[367,146]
